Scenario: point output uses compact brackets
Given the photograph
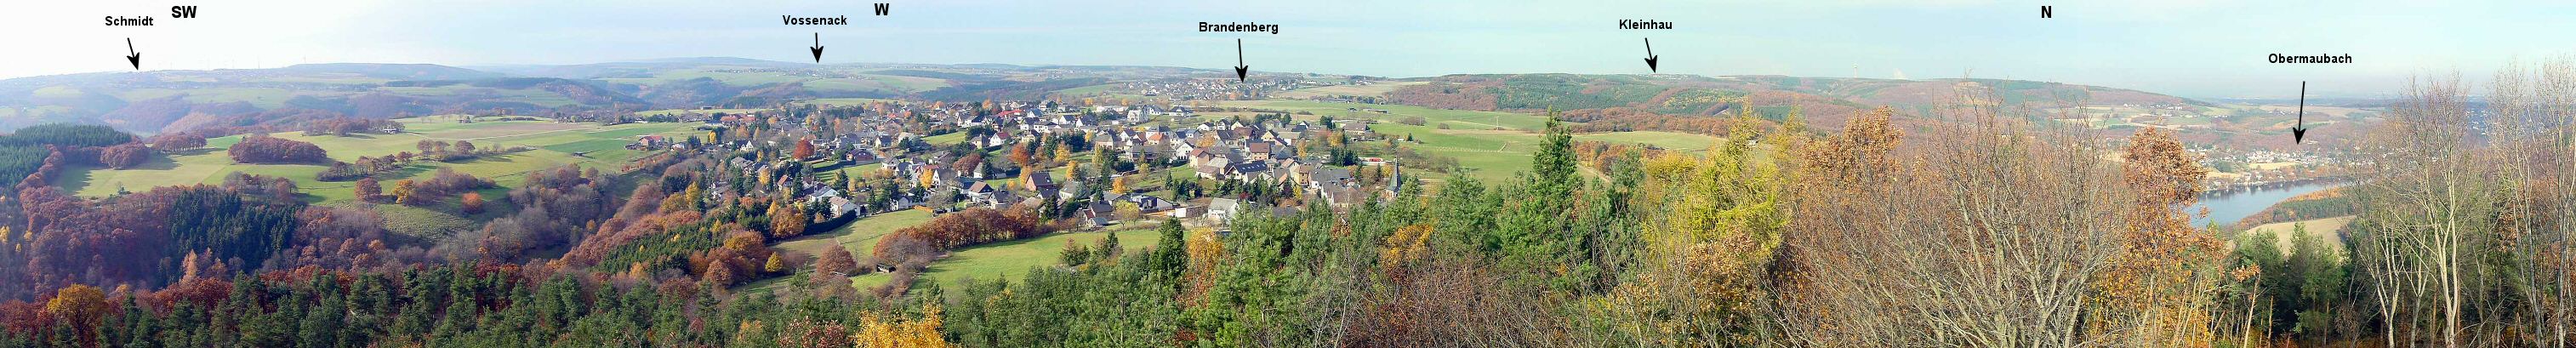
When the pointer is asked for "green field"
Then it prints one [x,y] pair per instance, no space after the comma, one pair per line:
[555,144]
[1372,90]
[859,236]
[688,111]
[1087,90]
[1684,142]
[1007,260]
[842,101]
[2324,229]
[853,82]
[1457,119]
[1004,259]
[945,139]
[1494,155]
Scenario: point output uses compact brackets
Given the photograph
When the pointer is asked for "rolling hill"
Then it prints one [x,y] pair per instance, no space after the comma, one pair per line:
[168,101]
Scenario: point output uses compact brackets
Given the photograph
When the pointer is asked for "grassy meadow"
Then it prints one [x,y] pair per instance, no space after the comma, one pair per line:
[554,144]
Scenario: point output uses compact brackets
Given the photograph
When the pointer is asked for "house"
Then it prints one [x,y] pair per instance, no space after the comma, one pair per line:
[1071,190]
[1340,197]
[1328,177]
[1223,209]
[1002,198]
[861,157]
[1098,214]
[1249,170]
[979,191]
[1150,204]
[844,207]
[1261,150]
[1041,181]
[1210,172]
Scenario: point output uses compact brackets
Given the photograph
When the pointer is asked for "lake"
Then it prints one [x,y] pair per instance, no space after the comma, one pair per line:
[2229,207]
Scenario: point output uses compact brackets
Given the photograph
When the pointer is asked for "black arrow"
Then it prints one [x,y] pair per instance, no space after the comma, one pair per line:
[1241,72]
[131,56]
[1650,55]
[818,47]
[2299,133]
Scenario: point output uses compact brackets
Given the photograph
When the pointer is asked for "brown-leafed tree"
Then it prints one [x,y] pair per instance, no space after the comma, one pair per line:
[1988,237]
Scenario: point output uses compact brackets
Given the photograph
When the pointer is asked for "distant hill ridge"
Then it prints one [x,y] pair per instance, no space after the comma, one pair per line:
[152,101]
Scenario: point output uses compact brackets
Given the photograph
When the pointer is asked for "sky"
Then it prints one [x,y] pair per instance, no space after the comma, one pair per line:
[2192,48]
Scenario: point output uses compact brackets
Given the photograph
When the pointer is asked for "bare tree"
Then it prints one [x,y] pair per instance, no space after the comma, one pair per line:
[2533,112]
[2427,212]
[1990,238]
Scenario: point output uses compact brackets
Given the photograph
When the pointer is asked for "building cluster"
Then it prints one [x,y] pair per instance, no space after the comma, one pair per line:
[952,156]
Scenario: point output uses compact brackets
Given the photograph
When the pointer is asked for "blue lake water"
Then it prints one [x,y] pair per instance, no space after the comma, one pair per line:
[2236,205]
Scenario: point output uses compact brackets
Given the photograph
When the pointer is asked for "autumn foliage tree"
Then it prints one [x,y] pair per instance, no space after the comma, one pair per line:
[368,189]
[471,203]
[274,150]
[2155,290]
[1990,238]
[785,220]
[804,149]
[124,156]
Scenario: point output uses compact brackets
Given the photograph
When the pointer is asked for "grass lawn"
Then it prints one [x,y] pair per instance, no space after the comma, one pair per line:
[859,236]
[945,139]
[1007,260]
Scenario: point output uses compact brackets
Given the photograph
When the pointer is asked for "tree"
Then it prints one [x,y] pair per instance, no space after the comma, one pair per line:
[471,204]
[124,156]
[273,150]
[836,262]
[2153,291]
[774,264]
[367,189]
[178,141]
[1168,259]
[804,149]
[80,305]
[1884,251]
[1716,224]
[1074,254]
[405,193]
[1109,249]
[785,220]
[874,331]
[2428,212]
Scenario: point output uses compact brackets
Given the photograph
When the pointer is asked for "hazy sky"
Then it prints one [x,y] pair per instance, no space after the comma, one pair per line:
[2191,48]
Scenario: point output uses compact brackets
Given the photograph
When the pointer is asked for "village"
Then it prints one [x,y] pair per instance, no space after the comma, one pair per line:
[1101,165]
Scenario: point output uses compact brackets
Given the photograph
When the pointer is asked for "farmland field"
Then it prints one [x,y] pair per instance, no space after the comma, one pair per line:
[2324,229]
[1350,90]
[1006,260]
[842,101]
[1459,119]
[554,144]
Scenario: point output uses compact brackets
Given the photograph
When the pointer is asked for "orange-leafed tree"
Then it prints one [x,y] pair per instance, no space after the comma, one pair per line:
[2152,292]
[471,204]
[805,148]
